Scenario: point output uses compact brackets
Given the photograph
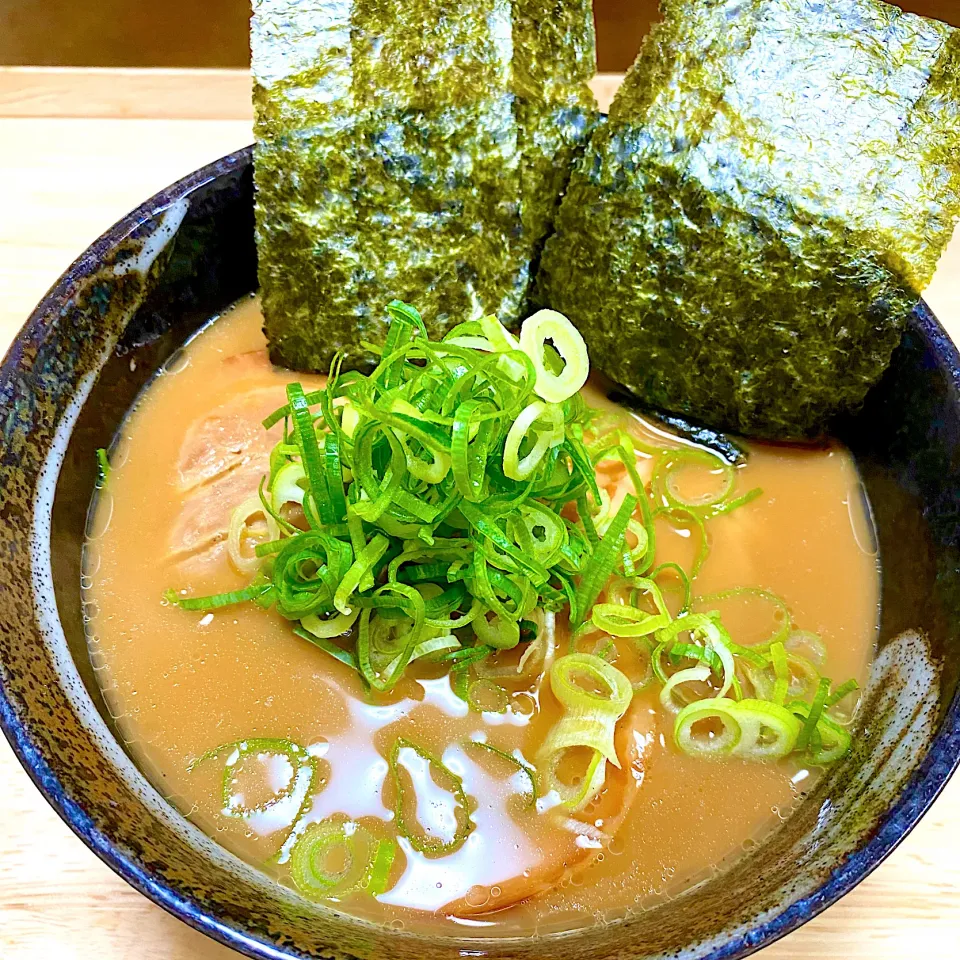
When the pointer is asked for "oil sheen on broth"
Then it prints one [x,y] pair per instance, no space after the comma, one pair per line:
[181,683]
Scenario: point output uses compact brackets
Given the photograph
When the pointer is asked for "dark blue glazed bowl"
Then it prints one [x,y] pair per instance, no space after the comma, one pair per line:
[69,378]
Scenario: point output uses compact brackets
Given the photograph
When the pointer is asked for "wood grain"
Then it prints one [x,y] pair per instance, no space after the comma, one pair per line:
[150,94]
[65,176]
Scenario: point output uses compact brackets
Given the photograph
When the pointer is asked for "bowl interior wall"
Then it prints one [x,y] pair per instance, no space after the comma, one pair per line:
[907,442]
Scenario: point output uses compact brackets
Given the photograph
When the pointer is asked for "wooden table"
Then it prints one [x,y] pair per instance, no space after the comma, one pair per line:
[78,149]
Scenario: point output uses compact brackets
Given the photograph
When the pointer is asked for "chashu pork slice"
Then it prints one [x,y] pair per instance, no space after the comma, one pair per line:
[589,830]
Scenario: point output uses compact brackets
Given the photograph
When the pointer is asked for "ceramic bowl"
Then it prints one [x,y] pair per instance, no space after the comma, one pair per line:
[120,313]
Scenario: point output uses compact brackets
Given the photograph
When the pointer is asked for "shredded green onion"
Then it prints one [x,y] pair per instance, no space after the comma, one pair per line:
[255,591]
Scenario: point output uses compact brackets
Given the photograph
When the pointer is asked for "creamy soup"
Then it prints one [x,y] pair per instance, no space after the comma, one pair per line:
[255,733]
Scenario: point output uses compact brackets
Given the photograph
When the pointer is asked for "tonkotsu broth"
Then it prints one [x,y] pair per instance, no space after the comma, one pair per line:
[181,683]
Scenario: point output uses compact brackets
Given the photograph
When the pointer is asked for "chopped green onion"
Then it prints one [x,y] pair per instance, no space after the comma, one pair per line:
[517,468]
[254,592]
[813,714]
[103,469]
[549,325]
[590,716]
[810,642]
[706,505]
[239,522]
[751,729]
[683,515]
[681,575]
[601,565]
[360,569]
[516,760]
[498,336]
[485,696]
[834,742]
[335,626]
[333,858]
[778,657]
[628,620]
[712,646]
[450,497]
[328,646]
[306,439]
[287,486]
[676,461]
[689,675]
[500,632]
[768,730]
[781,612]
[578,794]
[844,690]
[715,743]
[302,778]
[405,801]
[382,654]
[378,877]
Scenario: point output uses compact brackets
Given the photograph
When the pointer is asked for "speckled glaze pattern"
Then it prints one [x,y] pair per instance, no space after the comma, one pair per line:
[78,364]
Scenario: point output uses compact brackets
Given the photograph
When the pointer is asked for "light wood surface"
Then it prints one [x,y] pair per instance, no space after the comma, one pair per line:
[78,149]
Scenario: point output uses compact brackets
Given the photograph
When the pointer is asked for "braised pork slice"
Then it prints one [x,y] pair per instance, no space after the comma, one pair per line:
[590,829]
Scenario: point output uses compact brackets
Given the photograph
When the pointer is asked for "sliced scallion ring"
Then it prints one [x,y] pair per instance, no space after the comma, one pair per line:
[673,463]
[332,858]
[406,751]
[584,683]
[722,736]
[550,434]
[302,778]
[516,761]
[329,627]
[689,675]
[769,731]
[576,795]
[623,621]
[547,325]
[240,520]
[594,695]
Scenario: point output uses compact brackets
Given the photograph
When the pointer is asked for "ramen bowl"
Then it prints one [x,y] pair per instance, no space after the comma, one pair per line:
[120,314]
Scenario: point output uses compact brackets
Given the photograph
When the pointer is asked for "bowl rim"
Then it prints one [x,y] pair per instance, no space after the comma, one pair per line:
[925,785]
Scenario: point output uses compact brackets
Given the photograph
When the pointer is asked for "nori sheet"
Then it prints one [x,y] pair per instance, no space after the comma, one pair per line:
[742,242]
[412,150]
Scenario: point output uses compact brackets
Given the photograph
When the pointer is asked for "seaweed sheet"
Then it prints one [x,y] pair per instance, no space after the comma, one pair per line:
[412,150]
[743,240]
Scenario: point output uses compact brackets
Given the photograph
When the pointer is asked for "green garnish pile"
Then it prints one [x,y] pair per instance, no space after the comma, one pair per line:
[432,490]
[449,499]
